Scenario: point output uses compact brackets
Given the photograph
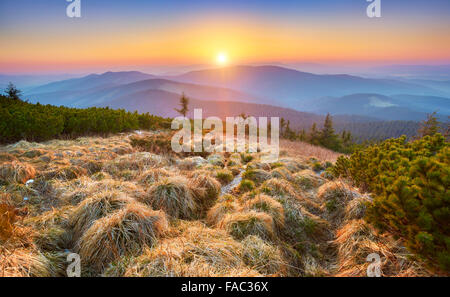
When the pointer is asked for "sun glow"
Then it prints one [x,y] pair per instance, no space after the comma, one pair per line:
[222,59]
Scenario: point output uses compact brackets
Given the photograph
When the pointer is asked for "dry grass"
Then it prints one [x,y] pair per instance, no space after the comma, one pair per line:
[302,149]
[16,172]
[307,180]
[281,172]
[263,257]
[242,224]
[126,231]
[94,208]
[209,189]
[289,221]
[256,175]
[278,187]
[197,251]
[175,196]
[266,204]
[356,240]
[219,210]
[153,175]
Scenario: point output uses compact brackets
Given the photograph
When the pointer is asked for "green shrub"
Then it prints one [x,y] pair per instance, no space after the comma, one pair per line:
[411,182]
[36,122]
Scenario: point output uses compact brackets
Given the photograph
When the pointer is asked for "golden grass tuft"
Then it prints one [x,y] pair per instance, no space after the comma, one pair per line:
[197,252]
[307,180]
[263,257]
[256,175]
[136,161]
[6,157]
[23,262]
[94,208]
[16,172]
[65,173]
[125,232]
[356,240]
[216,213]
[224,176]
[175,196]
[153,175]
[258,165]
[242,224]
[282,173]
[266,204]
[336,190]
[211,188]
[278,187]
[335,195]
[356,208]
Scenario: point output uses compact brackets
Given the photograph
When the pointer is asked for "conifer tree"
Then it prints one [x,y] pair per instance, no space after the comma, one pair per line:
[12,92]
[184,102]
[429,127]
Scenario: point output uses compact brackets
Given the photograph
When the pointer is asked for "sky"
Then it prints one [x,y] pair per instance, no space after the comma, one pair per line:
[38,37]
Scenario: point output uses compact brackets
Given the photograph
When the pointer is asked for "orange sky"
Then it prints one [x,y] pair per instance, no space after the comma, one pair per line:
[197,40]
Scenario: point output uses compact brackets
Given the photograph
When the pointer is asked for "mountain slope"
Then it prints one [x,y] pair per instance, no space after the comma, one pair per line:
[92,81]
[101,96]
[287,87]
[397,107]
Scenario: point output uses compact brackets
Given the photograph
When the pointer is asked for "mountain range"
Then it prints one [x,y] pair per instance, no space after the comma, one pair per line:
[272,89]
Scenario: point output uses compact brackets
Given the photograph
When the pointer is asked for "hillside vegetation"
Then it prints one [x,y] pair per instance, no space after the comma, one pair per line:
[35,122]
[129,208]
[410,182]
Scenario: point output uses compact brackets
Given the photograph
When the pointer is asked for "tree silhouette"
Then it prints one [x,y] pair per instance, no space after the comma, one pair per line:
[184,102]
[12,92]
[429,127]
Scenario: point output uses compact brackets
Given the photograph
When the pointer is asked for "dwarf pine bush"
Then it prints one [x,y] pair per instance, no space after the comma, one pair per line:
[411,182]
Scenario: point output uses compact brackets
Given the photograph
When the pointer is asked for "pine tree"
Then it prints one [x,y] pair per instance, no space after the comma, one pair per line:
[282,125]
[12,92]
[314,135]
[184,102]
[429,127]
[328,138]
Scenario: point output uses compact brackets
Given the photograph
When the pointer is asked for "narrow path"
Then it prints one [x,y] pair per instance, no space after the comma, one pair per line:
[234,183]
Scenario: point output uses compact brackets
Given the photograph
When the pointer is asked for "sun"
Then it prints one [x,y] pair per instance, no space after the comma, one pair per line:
[222,59]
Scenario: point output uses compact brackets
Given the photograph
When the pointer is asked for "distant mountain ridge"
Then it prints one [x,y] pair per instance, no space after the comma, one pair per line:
[290,87]
[396,107]
[261,85]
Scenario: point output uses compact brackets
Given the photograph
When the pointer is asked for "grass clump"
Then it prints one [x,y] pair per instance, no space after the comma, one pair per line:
[196,252]
[278,187]
[219,210]
[246,186]
[209,189]
[266,204]
[282,173]
[242,224]
[225,176]
[16,172]
[175,196]
[335,196]
[153,175]
[94,208]
[357,239]
[256,175]
[124,232]
[263,257]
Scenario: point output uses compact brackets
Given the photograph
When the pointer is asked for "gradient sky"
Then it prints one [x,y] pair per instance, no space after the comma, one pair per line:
[37,36]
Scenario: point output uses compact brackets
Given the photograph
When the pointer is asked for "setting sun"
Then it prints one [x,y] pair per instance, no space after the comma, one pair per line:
[222,59]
